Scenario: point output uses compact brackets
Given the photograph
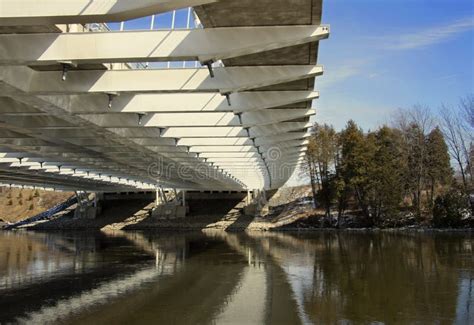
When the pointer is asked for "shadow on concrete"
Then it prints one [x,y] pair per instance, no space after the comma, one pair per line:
[205,211]
[114,211]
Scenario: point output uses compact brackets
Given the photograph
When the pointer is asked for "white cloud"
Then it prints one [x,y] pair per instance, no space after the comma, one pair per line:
[339,73]
[430,36]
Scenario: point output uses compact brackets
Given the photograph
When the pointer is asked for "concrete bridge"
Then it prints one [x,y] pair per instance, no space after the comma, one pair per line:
[222,103]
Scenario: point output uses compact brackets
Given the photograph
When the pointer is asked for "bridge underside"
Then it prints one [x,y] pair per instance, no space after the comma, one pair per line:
[85,108]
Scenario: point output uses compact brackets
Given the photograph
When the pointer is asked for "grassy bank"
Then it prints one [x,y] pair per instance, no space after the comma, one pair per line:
[18,204]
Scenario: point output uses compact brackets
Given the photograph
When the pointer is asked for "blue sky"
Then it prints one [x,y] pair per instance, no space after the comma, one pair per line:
[388,54]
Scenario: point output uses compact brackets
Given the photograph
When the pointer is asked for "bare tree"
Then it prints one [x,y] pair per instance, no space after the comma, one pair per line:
[467,105]
[458,138]
[309,168]
[419,115]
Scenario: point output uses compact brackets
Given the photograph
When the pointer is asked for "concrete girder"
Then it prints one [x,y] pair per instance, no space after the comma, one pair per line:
[164,120]
[242,141]
[271,156]
[281,137]
[179,102]
[214,141]
[204,45]
[57,138]
[60,182]
[277,143]
[211,155]
[234,131]
[77,163]
[247,148]
[226,80]
[131,162]
[57,175]
[217,160]
[48,12]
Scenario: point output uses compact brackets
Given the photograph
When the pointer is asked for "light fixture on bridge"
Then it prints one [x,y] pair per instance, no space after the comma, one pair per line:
[248,130]
[227,97]
[66,66]
[111,97]
[239,115]
[140,118]
[209,67]
[41,164]
[20,159]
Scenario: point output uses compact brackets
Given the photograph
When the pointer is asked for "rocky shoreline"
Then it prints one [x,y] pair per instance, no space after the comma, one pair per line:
[239,224]
[137,216]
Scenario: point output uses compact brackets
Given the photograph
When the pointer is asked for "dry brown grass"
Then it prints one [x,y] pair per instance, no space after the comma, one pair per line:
[18,204]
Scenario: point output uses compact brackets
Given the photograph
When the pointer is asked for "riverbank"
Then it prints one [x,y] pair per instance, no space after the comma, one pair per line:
[17,204]
[137,217]
[289,209]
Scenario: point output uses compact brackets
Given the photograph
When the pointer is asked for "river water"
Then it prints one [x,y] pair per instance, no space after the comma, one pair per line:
[236,278]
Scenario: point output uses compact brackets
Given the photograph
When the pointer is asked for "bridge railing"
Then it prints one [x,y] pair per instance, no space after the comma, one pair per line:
[172,20]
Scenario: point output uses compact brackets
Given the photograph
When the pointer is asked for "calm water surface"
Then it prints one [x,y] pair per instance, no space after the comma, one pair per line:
[218,277]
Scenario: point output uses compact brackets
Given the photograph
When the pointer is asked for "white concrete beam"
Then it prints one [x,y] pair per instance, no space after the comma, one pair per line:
[218,141]
[48,12]
[209,44]
[233,131]
[178,102]
[268,116]
[214,141]
[226,80]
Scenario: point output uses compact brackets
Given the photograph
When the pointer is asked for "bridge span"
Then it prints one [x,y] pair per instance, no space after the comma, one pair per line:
[119,95]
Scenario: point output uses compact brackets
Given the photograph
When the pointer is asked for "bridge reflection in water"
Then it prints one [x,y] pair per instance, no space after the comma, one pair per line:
[218,277]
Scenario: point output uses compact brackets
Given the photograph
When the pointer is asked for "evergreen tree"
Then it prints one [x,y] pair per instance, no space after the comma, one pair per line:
[357,164]
[438,169]
[388,174]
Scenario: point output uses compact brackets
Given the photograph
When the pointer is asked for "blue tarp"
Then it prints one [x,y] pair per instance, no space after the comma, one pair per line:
[46,214]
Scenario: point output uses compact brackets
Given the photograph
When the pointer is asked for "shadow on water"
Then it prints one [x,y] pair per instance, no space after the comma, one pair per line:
[217,276]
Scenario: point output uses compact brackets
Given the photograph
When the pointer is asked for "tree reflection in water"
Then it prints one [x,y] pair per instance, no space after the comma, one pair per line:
[218,277]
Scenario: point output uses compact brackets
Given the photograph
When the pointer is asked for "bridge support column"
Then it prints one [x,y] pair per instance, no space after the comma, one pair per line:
[174,209]
[254,205]
[88,208]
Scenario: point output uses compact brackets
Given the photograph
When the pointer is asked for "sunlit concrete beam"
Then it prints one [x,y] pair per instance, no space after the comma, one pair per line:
[47,12]
[205,45]
[226,80]
[229,141]
[215,119]
[234,131]
[281,137]
[213,155]
[214,141]
[178,102]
